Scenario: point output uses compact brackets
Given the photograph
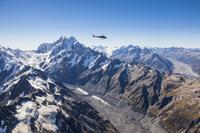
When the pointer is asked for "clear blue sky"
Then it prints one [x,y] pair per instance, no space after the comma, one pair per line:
[27,23]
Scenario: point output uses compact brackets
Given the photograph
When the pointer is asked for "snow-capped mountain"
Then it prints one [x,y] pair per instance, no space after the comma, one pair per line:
[69,58]
[65,86]
[73,63]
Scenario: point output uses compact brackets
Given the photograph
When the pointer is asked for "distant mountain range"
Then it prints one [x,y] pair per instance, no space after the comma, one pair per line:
[136,55]
[191,57]
[65,86]
[183,61]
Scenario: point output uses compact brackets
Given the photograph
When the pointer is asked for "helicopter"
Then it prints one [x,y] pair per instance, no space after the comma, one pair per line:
[101,36]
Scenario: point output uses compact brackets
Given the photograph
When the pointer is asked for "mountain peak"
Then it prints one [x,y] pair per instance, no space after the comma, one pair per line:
[67,38]
[67,43]
[72,38]
[132,46]
[63,40]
